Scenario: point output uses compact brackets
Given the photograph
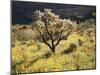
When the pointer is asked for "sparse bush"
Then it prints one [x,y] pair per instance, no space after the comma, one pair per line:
[70,49]
[80,42]
[50,26]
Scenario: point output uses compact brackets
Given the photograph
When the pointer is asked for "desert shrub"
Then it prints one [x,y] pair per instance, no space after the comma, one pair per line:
[71,48]
[86,27]
[51,26]
[23,33]
[80,42]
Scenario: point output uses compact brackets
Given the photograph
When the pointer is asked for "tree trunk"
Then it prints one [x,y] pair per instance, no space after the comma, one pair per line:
[53,49]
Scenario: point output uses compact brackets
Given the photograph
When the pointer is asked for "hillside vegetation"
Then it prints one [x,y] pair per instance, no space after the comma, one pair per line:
[30,54]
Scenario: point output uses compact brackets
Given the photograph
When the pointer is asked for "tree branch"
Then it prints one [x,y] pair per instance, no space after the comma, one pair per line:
[66,37]
[59,38]
[56,37]
[43,37]
[51,37]
[46,27]
[46,42]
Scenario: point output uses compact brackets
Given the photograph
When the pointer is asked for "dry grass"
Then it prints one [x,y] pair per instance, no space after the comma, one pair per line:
[37,56]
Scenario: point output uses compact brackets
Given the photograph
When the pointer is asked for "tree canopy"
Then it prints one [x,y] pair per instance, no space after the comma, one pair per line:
[51,27]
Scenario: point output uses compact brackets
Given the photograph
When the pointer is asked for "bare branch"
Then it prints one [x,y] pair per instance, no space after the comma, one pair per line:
[64,37]
[45,41]
[59,39]
[46,27]
[51,37]
[56,37]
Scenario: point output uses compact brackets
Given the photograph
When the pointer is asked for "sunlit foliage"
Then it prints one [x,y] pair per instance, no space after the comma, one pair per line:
[30,54]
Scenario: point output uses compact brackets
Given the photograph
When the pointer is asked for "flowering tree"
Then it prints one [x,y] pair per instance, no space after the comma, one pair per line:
[51,28]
